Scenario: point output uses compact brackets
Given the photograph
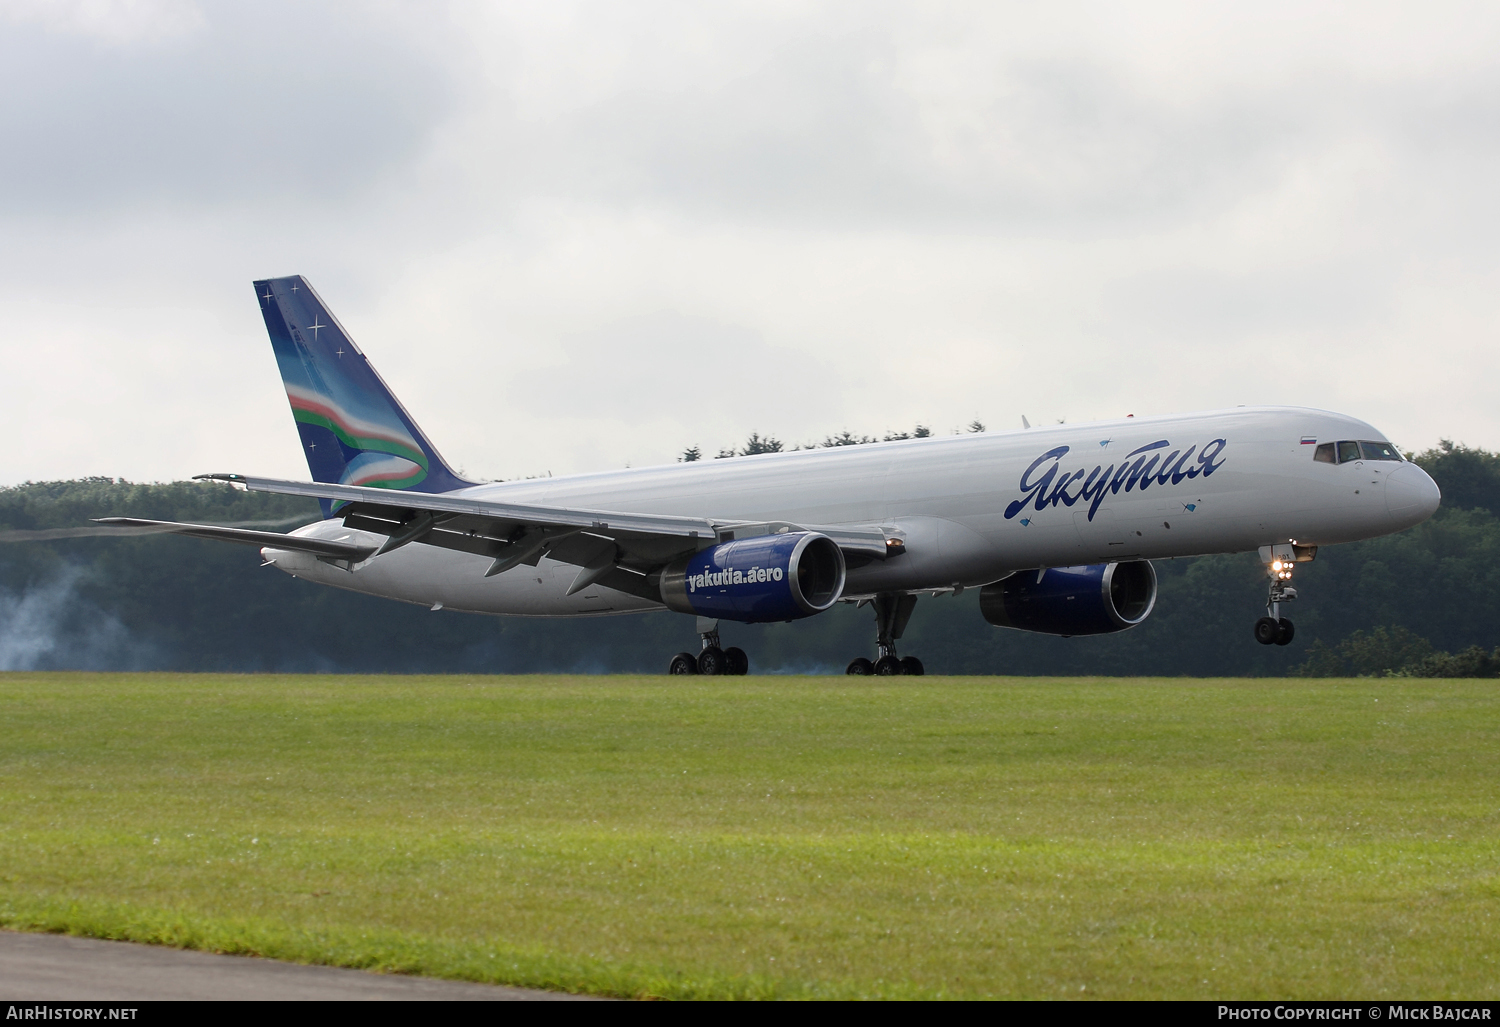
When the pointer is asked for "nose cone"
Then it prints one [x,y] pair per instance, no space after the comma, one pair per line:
[1410,495]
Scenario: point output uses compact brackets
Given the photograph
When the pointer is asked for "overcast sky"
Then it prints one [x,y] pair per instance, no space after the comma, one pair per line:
[580,236]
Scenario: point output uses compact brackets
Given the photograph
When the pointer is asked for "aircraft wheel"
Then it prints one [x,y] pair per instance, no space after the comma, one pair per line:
[735,660]
[912,665]
[713,661]
[888,666]
[683,663]
[1266,631]
[860,665]
[1284,631]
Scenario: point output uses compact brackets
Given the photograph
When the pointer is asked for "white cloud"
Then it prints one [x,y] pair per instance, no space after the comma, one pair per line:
[574,236]
[114,22]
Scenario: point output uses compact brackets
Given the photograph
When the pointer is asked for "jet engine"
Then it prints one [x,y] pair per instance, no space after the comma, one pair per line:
[1090,600]
[761,578]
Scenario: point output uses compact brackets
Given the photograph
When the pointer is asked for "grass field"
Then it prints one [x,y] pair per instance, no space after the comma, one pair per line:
[774,837]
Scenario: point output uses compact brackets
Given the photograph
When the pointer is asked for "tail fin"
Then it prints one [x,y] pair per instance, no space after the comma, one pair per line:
[354,431]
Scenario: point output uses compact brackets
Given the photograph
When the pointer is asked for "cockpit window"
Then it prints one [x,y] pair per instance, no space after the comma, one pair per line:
[1324,454]
[1348,452]
[1379,451]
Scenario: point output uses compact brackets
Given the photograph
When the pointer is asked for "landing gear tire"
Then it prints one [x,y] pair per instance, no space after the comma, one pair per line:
[888,666]
[913,666]
[735,661]
[1266,631]
[713,661]
[861,666]
[683,663]
[1285,632]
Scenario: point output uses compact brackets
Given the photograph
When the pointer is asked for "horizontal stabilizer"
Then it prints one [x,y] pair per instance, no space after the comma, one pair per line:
[245,536]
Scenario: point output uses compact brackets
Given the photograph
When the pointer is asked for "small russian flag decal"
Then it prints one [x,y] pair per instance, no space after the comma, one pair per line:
[1309,440]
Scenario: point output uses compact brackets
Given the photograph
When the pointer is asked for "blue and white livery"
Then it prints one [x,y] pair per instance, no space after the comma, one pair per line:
[1055,526]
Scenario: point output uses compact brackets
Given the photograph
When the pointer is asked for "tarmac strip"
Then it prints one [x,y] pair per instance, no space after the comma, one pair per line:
[60,968]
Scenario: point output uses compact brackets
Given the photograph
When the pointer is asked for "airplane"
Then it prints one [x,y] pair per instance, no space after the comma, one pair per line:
[1055,526]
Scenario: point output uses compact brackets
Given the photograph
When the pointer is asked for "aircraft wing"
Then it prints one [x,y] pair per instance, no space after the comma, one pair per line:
[394,500]
[614,549]
[274,539]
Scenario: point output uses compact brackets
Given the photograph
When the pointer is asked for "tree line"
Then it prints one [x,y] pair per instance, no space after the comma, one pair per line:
[757,443]
[1423,602]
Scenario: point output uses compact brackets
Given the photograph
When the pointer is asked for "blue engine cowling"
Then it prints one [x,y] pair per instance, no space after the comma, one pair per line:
[1091,600]
[762,578]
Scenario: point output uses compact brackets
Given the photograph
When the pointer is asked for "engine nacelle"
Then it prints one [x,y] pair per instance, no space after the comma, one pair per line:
[762,578]
[1091,600]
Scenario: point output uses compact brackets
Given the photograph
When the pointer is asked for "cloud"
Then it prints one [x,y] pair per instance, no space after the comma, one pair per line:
[230,106]
[553,225]
[113,22]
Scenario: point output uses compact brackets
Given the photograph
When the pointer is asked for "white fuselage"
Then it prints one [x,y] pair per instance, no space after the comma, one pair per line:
[949,497]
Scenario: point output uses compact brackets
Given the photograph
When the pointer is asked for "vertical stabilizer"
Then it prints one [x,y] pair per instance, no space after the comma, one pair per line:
[353,430]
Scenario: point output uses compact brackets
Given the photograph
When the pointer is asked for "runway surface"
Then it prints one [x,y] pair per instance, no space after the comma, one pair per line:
[53,967]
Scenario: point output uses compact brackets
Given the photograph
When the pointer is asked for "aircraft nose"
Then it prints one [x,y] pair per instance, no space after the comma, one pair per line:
[1411,496]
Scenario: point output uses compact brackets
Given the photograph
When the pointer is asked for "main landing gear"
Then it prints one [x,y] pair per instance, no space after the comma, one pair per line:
[891,614]
[1274,629]
[711,658]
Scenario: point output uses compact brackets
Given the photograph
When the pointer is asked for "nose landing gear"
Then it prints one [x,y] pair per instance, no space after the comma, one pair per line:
[892,612]
[1274,629]
[711,658]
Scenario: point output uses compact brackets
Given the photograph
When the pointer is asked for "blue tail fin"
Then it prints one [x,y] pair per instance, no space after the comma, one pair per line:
[354,431]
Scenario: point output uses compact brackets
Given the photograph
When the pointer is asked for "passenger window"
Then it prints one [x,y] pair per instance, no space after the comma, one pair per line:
[1324,454]
[1379,451]
[1348,451]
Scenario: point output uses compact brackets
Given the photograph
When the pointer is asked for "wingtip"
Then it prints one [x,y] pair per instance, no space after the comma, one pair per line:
[219,476]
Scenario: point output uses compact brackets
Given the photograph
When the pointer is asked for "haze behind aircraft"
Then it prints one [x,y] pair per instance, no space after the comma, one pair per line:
[1055,526]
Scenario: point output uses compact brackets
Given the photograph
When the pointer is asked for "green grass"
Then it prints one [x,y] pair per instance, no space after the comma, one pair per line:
[774,837]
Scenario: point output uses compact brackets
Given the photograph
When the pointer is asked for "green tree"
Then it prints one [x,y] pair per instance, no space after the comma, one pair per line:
[1473,662]
[756,444]
[1469,478]
[185,604]
[847,438]
[1374,653]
